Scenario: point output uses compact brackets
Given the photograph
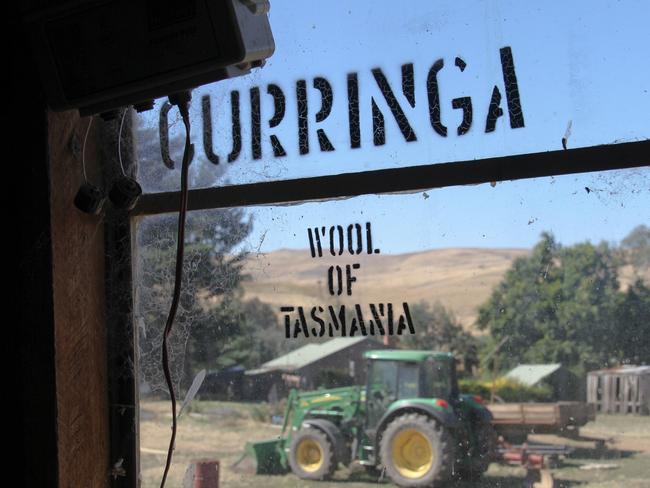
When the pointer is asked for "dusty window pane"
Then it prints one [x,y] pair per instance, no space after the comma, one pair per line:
[354,86]
[537,288]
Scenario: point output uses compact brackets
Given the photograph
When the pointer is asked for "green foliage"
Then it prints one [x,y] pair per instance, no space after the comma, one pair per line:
[636,245]
[214,328]
[632,311]
[564,305]
[438,330]
[264,412]
[507,390]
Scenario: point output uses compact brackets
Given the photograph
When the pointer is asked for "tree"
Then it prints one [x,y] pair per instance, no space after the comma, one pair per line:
[214,328]
[636,246]
[556,305]
[631,341]
[438,330]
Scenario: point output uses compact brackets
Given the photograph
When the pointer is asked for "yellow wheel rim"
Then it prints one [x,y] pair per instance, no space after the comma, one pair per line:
[309,455]
[412,454]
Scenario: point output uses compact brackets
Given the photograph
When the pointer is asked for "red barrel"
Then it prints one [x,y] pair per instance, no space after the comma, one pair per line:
[203,473]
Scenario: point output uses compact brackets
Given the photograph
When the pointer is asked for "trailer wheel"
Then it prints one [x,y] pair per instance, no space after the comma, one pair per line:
[416,451]
[311,455]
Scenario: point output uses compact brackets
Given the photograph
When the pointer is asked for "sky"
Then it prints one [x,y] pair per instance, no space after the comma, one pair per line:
[582,71]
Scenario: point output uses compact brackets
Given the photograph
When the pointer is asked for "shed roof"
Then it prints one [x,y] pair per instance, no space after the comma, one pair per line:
[404,355]
[308,354]
[531,374]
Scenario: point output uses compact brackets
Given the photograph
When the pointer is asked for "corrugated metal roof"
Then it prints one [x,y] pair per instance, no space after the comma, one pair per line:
[305,355]
[404,355]
[531,374]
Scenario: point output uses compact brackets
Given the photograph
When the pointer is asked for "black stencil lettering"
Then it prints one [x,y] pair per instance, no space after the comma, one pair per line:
[256,131]
[389,319]
[163,132]
[348,275]
[378,130]
[408,85]
[464,103]
[338,289]
[236,126]
[341,234]
[327,98]
[316,318]
[303,136]
[353,327]
[434,98]
[300,326]
[358,320]
[279,105]
[311,243]
[278,150]
[359,247]
[405,321]
[207,130]
[369,248]
[512,88]
[287,320]
[163,135]
[494,110]
[323,141]
[318,244]
[393,104]
[377,315]
[337,321]
[353,111]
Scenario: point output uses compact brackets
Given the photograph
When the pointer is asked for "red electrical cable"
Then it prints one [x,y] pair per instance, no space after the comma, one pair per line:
[180,246]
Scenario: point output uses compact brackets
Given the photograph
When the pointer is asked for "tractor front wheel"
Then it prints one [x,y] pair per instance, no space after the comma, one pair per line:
[416,451]
[311,455]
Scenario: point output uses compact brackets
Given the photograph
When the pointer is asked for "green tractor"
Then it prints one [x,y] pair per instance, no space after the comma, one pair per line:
[409,422]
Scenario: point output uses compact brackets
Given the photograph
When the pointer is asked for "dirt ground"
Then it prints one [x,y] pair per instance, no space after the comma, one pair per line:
[219,430]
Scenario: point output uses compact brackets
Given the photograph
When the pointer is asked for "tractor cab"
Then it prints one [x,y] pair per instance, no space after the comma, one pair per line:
[403,376]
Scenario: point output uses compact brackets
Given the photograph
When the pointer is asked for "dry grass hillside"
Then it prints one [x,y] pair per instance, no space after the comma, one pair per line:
[459,278]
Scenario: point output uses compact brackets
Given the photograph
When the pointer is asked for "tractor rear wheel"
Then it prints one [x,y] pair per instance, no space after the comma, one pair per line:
[416,451]
[484,452]
[311,455]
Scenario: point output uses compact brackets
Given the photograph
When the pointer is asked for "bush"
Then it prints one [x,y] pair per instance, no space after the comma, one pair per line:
[507,390]
[264,412]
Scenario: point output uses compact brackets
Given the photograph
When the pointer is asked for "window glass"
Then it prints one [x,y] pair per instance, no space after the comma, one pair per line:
[539,288]
[408,381]
[355,86]
[438,379]
[384,378]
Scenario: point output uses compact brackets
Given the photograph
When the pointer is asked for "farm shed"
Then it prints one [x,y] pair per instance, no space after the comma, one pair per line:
[625,390]
[225,384]
[337,362]
[563,384]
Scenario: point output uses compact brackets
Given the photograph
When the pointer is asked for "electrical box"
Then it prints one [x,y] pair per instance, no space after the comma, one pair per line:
[98,56]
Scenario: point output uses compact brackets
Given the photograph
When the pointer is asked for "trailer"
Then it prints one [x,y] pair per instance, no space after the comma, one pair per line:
[514,421]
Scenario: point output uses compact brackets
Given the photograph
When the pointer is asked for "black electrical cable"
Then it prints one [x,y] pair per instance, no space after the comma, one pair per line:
[183,107]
